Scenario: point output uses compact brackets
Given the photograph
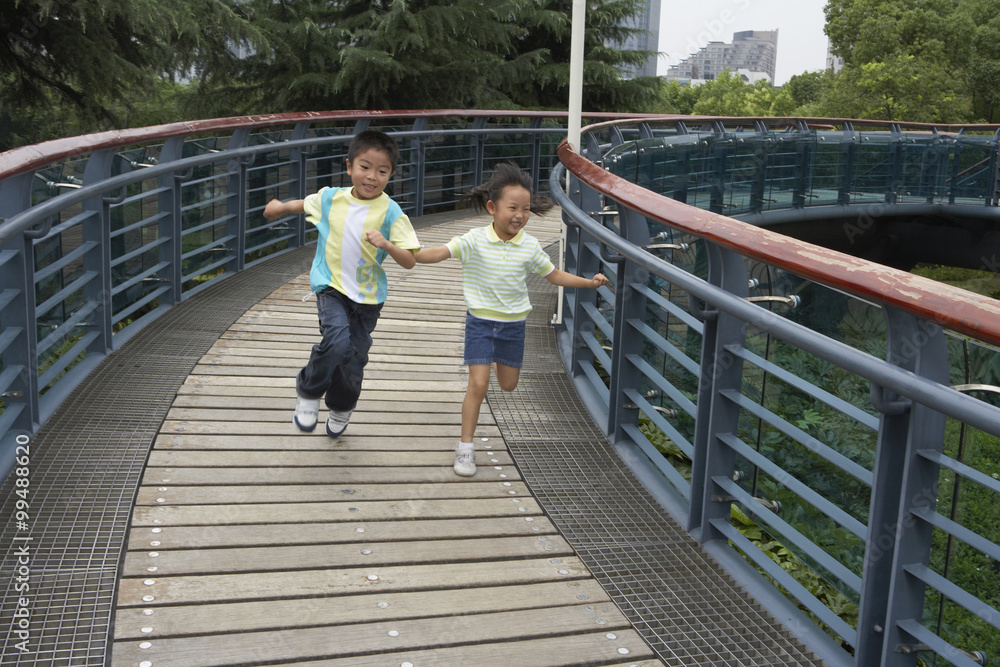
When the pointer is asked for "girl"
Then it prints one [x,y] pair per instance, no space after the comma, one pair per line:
[496,260]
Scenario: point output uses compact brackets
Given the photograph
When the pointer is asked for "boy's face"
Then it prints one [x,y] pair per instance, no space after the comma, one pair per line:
[510,212]
[369,171]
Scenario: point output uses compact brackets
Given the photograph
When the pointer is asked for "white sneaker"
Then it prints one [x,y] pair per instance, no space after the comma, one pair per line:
[336,422]
[306,413]
[465,462]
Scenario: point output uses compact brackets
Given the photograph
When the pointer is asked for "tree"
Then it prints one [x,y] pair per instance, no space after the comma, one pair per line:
[426,53]
[904,60]
[93,60]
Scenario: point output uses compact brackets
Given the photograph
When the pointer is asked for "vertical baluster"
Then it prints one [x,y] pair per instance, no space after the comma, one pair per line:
[903,482]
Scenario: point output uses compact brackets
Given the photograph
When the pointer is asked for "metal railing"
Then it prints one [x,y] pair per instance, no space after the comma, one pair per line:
[808,415]
[728,364]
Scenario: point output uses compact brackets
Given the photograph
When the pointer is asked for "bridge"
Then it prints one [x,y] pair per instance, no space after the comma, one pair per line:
[690,472]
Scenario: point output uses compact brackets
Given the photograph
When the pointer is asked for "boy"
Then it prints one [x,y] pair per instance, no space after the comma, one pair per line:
[358,227]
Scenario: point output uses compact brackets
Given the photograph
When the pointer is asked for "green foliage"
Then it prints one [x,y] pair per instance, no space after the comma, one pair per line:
[70,68]
[89,64]
[806,576]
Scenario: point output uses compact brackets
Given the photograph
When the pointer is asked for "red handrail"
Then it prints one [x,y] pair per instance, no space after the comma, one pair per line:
[951,307]
[27,158]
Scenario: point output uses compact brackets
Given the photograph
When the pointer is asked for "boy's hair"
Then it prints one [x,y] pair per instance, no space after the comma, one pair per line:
[505,174]
[376,139]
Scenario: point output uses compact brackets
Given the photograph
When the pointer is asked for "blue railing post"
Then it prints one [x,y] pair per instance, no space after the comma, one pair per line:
[849,149]
[297,182]
[588,200]
[95,230]
[169,207]
[721,371]
[903,482]
[536,154]
[758,179]
[894,171]
[419,164]
[803,165]
[630,309]
[236,188]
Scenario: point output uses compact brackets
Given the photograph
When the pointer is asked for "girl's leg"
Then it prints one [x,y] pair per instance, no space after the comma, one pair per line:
[475,394]
[507,377]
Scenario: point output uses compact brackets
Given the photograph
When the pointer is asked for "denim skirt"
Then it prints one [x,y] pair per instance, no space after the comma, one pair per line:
[490,341]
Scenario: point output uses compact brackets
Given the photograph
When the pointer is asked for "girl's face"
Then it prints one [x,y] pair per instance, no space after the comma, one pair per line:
[510,212]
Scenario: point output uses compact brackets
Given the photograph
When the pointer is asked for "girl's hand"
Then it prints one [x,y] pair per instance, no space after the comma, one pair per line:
[599,279]
[375,237]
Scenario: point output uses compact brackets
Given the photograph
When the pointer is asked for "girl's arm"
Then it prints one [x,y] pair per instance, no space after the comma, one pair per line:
[405,258]
[564,279]
[277,208]
[433,255]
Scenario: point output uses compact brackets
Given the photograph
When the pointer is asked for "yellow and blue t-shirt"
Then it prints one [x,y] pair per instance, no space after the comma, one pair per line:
[344,260]
[495,272]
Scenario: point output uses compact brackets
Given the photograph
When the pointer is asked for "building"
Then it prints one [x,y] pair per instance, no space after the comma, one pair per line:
[835,63]
[752,53]
[647,20]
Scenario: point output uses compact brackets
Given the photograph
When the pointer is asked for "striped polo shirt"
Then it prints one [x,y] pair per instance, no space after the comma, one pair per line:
[494,272]
[344,260]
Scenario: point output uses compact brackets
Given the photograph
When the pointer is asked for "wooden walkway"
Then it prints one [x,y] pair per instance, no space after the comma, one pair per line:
[253,543]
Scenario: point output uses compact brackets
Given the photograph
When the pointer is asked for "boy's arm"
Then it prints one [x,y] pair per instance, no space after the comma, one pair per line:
[433,255]
[405,258]
[557,277]
[276,208]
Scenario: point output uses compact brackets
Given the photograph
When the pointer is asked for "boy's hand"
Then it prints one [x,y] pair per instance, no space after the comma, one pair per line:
[599,280]
[273,209]
[375,237]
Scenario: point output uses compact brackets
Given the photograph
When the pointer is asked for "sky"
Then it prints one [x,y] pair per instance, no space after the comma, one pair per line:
[687,26]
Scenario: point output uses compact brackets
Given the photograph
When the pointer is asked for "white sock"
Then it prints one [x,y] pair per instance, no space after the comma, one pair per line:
[464,445]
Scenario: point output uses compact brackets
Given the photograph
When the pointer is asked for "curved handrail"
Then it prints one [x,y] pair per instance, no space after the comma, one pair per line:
[25,158]
[951,307]
[700,451]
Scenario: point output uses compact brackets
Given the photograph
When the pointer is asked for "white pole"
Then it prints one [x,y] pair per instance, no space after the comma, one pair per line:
[576,73]
[574,123]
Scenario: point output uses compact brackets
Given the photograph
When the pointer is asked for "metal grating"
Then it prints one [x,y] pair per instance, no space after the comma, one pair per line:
[682,603]
[85,468]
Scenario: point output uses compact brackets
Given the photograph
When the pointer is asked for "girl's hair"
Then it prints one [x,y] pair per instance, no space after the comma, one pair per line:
[505,174]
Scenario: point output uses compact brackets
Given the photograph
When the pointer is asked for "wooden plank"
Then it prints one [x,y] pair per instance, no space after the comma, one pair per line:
[296,441]
[312,493]
[191,537]
[386,374]
[367,403]
[395,395]
[332,457]
[132,592]
[289,383]
[589,649]
[287,428]
[271,614]
[390,636]
[283,415]
[315,556]
[375,510]
[339,475]
[377,362]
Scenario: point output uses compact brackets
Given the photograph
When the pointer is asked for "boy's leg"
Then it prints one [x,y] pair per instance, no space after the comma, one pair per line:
[313,380]
[346,380]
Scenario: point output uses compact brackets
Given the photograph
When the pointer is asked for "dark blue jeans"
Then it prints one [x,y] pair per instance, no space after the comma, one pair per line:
[336,366]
